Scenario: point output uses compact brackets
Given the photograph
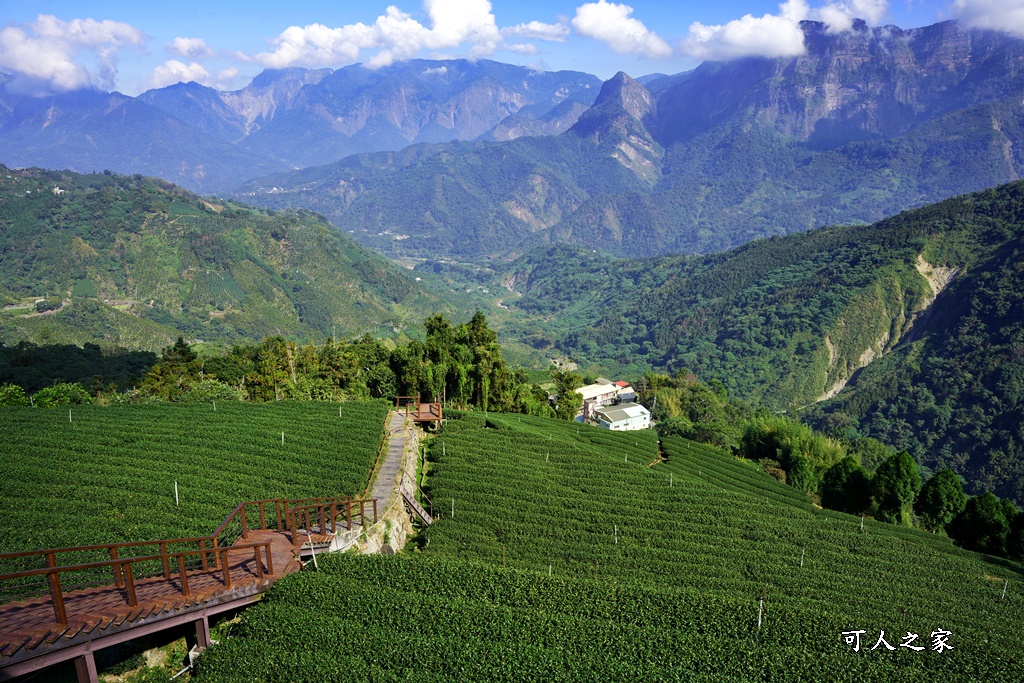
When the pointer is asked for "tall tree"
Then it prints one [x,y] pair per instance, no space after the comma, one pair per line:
[982,525]
[896,484]
[569,400]
[942,498]
[846,487]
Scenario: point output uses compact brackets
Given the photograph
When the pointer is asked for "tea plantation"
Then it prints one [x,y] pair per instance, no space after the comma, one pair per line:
[107,474]
[576,554]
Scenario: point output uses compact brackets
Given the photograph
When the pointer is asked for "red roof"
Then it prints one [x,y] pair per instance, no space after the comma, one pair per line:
[620,383]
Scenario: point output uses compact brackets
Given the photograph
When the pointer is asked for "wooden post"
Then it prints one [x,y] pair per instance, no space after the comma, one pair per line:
[348,514]
[227,569]
[85,668]
[183,576]
[163,556]
[278,503]
[55,591]
[374,510]
[203,633]
[245,529]
[259,562]
[118,580]
[362,513]
[133,600]
[270,560]
[216,555]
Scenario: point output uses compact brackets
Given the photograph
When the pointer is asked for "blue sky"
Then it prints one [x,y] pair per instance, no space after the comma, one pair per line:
[131,46]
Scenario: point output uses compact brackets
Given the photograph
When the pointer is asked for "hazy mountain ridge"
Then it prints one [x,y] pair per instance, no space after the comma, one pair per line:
[212,141]
[868,123]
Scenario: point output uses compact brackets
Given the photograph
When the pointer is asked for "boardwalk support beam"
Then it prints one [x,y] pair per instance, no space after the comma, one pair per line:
[203,632]
[85,667]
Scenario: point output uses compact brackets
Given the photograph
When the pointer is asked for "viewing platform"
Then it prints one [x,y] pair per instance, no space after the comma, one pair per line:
[417,411]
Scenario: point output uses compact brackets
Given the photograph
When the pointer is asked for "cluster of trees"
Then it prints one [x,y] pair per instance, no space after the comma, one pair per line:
[459,365]
[33,366]
[857,476]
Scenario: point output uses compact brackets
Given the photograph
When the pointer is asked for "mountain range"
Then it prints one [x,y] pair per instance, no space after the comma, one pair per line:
[868,123]
[211,141]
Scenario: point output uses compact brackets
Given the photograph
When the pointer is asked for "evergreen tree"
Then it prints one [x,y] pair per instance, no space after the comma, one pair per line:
[846,487]
[982,525]
[942,498]
[896,484]
[569,400]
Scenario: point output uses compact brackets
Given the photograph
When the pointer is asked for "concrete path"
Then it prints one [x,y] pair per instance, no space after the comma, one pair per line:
[385,486]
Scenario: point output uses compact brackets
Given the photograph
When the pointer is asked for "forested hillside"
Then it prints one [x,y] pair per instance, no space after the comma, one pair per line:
[920,311]
[136,261]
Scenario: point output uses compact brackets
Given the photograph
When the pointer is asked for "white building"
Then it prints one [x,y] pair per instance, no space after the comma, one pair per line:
[623,417]
[603,392]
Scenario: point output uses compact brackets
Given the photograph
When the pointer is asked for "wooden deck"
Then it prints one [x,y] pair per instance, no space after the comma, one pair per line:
[188,586]
[29,624]
[414,409]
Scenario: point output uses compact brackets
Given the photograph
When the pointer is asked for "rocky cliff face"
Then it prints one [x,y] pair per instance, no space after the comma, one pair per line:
[617,123]
[868,83]
[360,110]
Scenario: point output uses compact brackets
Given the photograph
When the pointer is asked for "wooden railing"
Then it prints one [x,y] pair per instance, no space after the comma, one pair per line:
[124,577]
[291,516]
[319,512]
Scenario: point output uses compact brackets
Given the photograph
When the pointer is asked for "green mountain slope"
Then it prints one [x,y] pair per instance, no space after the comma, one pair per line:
[920,311]
[135,261]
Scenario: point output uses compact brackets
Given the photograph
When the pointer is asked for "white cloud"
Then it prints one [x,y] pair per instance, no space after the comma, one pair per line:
[839,16]
[190,48]
[768,36]
[836,17]
[395,34]
[45,55]
[172,71]
[439,70]
[611,23]
[521,48]
[537,30]
[999,15]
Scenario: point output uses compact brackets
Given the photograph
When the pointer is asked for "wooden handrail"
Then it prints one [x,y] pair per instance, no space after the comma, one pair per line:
[124,567]
[128,560]
[289,513]
[191,539]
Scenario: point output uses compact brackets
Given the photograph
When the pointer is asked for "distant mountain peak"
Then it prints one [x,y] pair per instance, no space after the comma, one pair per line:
[268,77]
[626,92]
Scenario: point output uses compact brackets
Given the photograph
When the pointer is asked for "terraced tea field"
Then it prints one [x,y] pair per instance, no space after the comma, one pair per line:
[108,474]
[572,556]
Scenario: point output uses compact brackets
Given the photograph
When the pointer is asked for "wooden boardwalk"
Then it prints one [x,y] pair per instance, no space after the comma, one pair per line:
[157,585]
